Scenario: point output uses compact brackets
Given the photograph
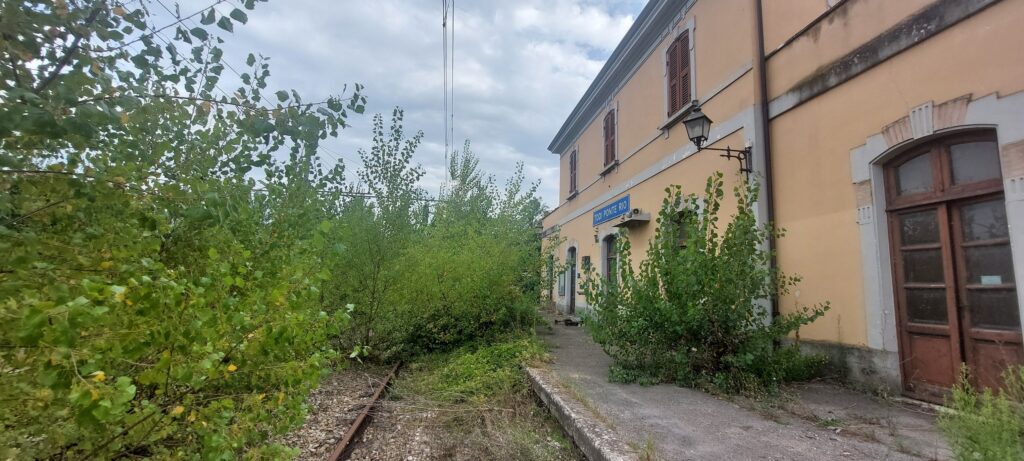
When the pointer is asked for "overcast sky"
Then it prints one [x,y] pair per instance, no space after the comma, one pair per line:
[520,68]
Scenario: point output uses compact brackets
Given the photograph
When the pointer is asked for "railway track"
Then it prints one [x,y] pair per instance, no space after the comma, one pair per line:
[343,450]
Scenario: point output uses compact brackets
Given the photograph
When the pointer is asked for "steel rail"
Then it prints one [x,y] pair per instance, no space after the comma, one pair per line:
[343,450]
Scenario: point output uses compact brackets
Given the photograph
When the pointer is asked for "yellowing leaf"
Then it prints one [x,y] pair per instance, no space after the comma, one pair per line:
[192,416]
[106,265]
[124,118]
[119,11]
[177,410]
[98,376]
[232,368]
[95,394]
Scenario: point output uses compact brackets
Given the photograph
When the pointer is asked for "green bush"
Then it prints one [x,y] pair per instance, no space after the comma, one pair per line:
[431,280]
[985,425]
[694,314]
[156,299]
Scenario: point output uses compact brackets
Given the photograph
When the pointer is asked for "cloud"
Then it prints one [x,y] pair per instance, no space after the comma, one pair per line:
[520,68]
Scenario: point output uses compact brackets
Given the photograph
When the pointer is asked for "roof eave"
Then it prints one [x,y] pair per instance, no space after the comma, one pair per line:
[643,35]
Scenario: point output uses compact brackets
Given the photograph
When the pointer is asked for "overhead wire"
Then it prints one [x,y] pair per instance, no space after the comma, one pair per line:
[448,71]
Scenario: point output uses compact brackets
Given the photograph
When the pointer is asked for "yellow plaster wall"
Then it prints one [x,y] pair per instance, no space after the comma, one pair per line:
[784,18]
[814,198]
[849,27]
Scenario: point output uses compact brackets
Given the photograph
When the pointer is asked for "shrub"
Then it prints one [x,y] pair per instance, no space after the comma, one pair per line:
[694,314]
[469,272]
[157,301]
[985,425]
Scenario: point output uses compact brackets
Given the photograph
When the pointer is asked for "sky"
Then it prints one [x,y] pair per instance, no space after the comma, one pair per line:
[520,68]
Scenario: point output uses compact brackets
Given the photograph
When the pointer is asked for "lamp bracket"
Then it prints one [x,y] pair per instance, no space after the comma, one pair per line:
[743,155]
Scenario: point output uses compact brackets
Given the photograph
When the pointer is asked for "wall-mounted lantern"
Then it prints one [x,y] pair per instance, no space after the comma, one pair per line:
[698,127]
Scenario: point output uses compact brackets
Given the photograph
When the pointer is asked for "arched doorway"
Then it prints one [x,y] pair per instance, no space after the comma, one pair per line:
[955,288]
[571,286]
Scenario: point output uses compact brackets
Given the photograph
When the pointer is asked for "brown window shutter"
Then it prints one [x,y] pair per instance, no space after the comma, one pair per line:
[673,77]
[572,172]
[609,137]
[684,70]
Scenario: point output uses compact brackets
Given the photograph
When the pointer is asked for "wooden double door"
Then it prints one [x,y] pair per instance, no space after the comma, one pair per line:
[955,287]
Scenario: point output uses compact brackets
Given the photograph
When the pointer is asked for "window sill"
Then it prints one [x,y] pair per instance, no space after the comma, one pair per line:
[572,195]
[610,167]
[676,117]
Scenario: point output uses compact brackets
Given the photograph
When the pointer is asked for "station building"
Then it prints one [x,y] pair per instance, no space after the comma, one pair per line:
[888,138]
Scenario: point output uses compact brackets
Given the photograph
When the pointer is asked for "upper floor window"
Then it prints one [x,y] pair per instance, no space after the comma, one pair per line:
[572,172]
[678,73]
[609,138]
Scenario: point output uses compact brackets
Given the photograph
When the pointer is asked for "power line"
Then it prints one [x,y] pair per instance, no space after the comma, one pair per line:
[448,70]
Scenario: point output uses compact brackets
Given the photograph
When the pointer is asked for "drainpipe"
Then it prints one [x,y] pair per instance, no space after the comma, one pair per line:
[763,132]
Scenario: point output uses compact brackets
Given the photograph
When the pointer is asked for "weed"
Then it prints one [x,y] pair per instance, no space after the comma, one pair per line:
[479,395]
[985,425]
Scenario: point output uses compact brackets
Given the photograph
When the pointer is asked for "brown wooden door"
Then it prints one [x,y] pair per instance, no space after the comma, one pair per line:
[926,292]
[987,292]
[955,288]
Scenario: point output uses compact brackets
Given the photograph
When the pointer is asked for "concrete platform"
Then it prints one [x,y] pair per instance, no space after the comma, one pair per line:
[625,421]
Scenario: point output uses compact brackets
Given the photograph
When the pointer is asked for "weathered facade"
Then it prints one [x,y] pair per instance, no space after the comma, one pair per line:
[895,162]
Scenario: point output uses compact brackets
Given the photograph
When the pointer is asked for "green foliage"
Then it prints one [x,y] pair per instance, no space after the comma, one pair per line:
[983,425]
[180,267]
[694,314]
[157,300]
[468,272]
[477,373]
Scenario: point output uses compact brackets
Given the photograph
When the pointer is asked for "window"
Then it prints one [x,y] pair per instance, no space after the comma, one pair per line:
[678,73]
[609,138]
[572,172]
[685,222]
[611,257]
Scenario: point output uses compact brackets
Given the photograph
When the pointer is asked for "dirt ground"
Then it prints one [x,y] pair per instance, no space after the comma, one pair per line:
[415,428]
[412,427]
[332,408]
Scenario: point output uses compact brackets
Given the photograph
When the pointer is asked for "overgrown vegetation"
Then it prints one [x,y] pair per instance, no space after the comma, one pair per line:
[986,425]
[466,269]
[180,267]
[483,402]
[694,313]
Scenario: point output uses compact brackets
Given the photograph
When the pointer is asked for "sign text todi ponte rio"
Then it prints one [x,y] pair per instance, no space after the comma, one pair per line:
[611,210]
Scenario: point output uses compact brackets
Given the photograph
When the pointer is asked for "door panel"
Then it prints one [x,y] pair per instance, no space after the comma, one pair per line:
[925,293]
[987,289]
[931,365]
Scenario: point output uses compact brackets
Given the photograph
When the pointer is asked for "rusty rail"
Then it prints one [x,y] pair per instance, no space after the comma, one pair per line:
[343,450]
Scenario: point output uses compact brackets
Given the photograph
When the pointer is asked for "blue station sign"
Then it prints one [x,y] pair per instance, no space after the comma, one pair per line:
[612,210]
